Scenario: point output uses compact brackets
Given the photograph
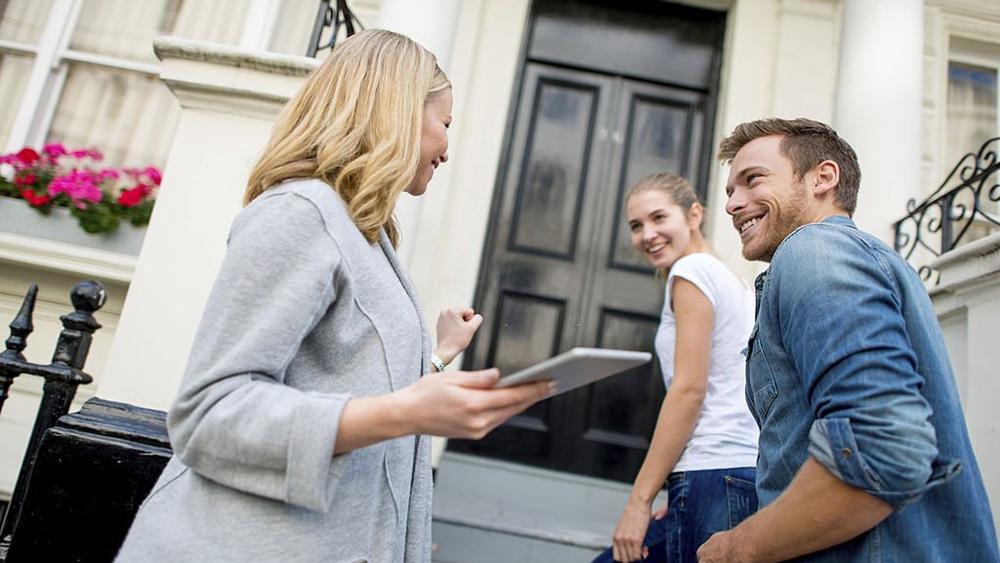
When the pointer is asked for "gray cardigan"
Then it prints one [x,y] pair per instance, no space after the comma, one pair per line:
[305,314]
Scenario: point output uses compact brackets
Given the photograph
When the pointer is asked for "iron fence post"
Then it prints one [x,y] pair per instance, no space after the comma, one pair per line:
[62,377]
[20,328]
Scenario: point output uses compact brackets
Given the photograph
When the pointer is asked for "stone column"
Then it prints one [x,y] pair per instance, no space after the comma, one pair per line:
[878,104]
[432,23]
[229,98]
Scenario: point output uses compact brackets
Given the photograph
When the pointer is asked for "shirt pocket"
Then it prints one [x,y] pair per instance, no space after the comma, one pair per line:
[762,389]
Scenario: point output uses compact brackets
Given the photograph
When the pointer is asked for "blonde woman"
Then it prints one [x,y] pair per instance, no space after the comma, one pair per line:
[704,446]
[299,428]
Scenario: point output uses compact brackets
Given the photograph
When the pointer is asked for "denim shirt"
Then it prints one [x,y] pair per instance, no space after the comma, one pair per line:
[846,363]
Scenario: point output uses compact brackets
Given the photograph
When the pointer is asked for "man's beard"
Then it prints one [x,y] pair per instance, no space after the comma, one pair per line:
[780,224]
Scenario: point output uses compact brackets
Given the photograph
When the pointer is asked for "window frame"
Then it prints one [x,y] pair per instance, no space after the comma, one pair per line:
[963,56]
[52,58]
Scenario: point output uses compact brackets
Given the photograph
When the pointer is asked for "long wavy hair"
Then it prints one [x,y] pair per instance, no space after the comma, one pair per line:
[355,124]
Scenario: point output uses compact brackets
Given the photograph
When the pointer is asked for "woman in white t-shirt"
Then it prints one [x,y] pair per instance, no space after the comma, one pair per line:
[705,442]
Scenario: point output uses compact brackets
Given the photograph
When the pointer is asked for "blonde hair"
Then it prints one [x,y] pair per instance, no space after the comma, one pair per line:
[356,125]
[679,189]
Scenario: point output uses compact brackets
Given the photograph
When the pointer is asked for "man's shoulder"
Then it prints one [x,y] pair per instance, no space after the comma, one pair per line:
[826,240]
[827,250]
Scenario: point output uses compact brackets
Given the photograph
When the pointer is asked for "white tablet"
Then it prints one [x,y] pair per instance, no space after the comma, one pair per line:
[577,367]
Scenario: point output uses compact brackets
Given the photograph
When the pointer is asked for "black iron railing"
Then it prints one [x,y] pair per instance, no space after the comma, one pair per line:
[966,206]
[62,376]
[331,17]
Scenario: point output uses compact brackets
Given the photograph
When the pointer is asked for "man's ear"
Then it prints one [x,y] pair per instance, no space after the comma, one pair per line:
[826,178]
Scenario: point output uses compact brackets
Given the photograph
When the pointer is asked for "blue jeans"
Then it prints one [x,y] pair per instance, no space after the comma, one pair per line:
[700,503]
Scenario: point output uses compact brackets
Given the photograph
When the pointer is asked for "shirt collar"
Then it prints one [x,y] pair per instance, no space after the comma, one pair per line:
[839,220]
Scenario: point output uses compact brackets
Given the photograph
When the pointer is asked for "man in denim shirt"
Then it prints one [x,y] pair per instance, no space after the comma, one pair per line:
[864,453]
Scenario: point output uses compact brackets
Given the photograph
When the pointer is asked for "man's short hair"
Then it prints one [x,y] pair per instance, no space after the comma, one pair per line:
[806,143]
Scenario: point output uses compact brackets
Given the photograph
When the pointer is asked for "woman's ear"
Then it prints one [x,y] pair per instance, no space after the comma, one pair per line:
[695,215]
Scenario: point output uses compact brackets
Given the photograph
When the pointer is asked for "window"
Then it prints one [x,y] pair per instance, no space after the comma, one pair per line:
[973,117]
[973,97]
[83,72]
[20,33]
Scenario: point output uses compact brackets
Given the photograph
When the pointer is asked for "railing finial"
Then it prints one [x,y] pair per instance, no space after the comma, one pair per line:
[22,326]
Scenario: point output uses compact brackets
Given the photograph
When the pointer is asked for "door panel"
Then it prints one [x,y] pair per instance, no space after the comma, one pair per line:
[530,331]
[662,132]
[558,269]
[533,288]
[550,191]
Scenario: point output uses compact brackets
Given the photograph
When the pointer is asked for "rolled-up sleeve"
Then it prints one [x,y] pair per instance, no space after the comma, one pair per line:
[842,324]
[235,421]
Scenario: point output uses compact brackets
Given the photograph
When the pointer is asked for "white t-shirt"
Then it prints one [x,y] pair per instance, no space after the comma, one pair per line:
[726,434]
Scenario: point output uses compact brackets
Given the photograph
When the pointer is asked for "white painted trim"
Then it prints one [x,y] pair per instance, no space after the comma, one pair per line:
[225,100]
[982,247]
[111,62]
[18,47]
[977,59]
[53,41]
[62,257]
[974,59]
[46,109]
[230,56]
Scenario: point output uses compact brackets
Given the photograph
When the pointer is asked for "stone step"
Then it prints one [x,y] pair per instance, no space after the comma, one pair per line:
[487,510]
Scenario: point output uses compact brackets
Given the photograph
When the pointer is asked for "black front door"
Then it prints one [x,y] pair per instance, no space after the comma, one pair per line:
[558,268]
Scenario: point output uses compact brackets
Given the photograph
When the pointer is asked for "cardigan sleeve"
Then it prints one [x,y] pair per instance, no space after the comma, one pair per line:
[235,421]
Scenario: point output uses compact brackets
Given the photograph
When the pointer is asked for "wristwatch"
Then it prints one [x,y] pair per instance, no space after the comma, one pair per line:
[438,363]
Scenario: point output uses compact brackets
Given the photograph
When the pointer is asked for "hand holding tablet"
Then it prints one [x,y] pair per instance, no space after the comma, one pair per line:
[577,367]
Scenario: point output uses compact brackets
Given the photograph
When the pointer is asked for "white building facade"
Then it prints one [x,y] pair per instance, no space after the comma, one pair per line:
[911,84]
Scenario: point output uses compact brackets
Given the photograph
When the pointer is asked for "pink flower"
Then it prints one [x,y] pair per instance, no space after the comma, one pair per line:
[154,175]
[108,173]
[54,150]
[92,154]
[82,187]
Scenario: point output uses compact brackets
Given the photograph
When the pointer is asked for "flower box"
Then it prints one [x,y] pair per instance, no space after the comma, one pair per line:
[67,196]
[17,217]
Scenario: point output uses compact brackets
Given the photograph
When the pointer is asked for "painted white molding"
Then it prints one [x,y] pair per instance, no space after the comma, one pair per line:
[18,47]
[227,56]
[975,262]
[110,62]
[978,9]
[66,258]
[219,78]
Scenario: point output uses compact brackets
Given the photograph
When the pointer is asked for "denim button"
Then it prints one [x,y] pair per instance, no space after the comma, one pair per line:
[846,452]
